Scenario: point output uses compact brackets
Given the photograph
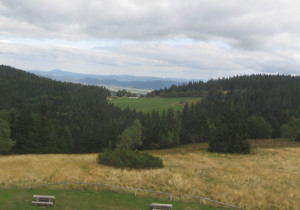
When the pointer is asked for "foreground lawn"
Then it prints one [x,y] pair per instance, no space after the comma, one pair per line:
[268,178]
[146,105]
[86,199]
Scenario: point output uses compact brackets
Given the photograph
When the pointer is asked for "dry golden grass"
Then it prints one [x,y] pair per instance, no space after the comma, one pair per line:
[269,178]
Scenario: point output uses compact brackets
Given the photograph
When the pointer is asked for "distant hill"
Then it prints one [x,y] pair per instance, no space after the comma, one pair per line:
[113,81]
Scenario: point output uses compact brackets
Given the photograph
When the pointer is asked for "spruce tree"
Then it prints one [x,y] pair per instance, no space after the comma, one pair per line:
[23,131]
[5,142]
[170,127]
[231,133]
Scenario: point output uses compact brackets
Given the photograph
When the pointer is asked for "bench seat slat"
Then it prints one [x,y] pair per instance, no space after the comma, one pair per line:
[42,203]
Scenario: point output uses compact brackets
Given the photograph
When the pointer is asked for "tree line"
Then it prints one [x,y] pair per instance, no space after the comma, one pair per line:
[271,102]
[39,115]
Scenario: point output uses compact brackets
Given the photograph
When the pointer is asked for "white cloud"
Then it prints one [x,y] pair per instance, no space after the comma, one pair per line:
[191,38]
[194,61]
[250,24]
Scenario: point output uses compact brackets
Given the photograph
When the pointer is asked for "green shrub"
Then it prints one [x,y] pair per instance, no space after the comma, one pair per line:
[258,128]
[124,158]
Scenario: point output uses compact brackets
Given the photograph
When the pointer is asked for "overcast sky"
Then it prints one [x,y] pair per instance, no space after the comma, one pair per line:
[192,39]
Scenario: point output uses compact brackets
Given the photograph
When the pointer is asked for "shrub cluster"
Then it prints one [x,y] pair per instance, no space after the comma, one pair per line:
[124,158]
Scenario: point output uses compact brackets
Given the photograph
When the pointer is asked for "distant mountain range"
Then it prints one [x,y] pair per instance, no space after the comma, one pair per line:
[112,81]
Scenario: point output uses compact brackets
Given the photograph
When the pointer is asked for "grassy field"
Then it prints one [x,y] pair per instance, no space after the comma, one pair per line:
[146,105]
[86,199]
[268,178]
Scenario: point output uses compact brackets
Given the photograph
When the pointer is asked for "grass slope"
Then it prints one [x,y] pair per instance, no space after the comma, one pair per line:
[86,199]
[146,105]
[268,178]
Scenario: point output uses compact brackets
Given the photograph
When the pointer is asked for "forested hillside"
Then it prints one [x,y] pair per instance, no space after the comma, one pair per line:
[47,116]
[267,99]
[39,115]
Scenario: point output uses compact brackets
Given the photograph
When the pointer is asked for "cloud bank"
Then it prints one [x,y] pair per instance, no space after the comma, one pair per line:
[191,39]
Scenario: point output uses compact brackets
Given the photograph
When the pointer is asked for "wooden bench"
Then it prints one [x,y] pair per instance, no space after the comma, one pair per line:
[43,200]
[161,206]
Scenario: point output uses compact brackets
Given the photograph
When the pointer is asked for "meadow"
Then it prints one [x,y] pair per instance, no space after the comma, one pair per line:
[268,178]
[69,199]
[146,105]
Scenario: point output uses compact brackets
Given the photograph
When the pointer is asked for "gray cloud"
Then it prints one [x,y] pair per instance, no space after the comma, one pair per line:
[252,24]
[190,39]
[202,60]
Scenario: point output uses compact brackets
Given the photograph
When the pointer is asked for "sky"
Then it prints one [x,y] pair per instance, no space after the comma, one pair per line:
[192,39]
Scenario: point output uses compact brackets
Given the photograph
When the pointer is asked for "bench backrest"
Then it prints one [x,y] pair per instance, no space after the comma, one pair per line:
[44,196]
[160,205]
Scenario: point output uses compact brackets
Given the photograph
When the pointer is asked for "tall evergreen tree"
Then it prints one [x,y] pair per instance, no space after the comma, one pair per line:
[231,135]
[194,124]
[46,130]
[23,132]
[5,142]
[170,127]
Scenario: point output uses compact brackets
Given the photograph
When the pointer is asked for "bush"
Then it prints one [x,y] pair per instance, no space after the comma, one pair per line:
[124,158]
[291,130]
[258,128]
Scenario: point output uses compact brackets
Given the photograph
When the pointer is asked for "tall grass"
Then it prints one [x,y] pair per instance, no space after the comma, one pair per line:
[268,178]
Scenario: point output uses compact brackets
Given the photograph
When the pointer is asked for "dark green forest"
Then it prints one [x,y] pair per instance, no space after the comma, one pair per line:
[271,102]
[39,115]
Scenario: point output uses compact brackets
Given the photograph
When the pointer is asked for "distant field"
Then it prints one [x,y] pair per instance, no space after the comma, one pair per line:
[146,105]
[268,178]
[132,90]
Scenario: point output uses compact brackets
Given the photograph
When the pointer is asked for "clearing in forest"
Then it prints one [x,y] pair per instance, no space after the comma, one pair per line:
[147,104]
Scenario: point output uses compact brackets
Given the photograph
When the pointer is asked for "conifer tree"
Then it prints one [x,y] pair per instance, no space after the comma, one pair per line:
[231,134]
[23,131]
[5,142]
[170,127]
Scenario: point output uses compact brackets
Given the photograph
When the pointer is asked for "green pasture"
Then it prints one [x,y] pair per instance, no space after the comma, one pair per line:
[86,199]
[146,104]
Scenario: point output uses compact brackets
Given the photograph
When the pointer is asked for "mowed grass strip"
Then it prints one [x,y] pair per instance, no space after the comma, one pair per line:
[146,105]
[268,178]
[17,198]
